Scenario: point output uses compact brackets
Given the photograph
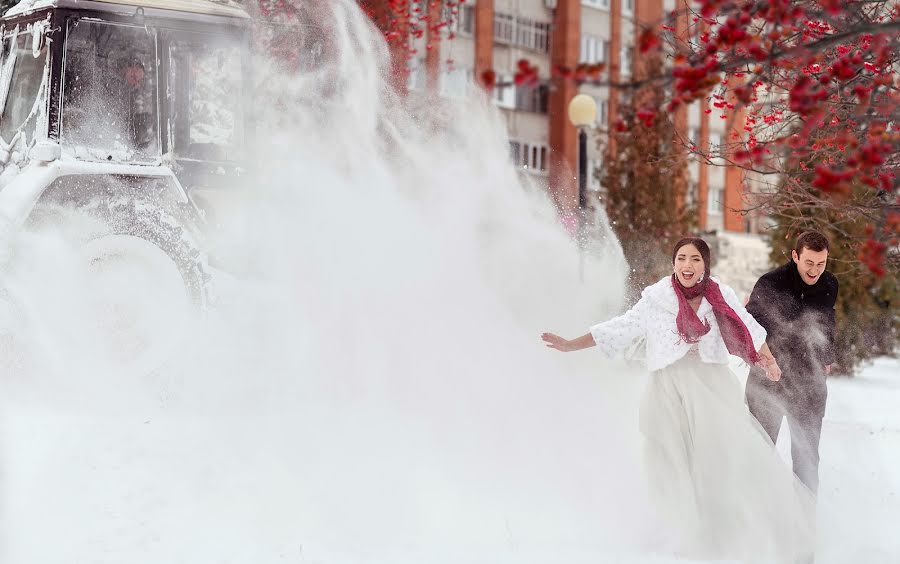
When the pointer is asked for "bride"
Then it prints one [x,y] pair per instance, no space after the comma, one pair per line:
[717,480]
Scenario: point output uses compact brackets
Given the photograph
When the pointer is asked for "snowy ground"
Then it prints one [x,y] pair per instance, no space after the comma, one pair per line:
[150,486]
[860,468]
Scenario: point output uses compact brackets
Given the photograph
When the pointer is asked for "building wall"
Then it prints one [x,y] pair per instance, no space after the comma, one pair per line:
[489,35]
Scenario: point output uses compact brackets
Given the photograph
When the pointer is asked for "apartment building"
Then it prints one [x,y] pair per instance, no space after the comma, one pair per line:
[496,34]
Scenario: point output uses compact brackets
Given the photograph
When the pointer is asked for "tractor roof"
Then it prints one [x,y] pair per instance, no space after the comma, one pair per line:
[227,8]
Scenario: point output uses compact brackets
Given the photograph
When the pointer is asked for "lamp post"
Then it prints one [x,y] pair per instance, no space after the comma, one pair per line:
[582,114]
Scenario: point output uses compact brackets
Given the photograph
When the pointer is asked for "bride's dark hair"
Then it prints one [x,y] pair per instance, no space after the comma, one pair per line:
[701,246]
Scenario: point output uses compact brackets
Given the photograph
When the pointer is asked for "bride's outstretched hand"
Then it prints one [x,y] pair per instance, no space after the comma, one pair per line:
[556,342]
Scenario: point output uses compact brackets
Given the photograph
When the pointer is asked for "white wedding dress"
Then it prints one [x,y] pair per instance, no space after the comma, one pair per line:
[715,475]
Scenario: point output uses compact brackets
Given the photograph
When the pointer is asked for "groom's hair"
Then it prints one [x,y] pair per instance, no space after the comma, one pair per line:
[812,240]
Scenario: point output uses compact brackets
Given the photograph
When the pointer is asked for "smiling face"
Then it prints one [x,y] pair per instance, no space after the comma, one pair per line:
[689,265]
[810,264]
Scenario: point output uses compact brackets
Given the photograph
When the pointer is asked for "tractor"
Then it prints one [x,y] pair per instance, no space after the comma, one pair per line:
[120,124]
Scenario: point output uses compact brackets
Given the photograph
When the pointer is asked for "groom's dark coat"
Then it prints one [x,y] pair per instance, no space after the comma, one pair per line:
[799,320]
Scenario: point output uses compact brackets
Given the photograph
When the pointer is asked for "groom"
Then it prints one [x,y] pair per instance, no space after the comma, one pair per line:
[795,304]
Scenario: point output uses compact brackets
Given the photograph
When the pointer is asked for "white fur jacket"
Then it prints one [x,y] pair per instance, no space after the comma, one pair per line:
[653,318]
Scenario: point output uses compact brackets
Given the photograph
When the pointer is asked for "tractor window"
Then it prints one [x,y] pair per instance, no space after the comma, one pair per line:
[109,108]
[205,97]
[27,73]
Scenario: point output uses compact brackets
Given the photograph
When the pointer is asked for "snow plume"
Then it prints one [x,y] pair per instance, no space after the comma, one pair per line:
[370,387]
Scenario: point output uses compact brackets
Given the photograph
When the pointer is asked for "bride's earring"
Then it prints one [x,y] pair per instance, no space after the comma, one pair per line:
[702,276]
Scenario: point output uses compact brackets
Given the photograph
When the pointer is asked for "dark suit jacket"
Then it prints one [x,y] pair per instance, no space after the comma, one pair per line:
[799,320]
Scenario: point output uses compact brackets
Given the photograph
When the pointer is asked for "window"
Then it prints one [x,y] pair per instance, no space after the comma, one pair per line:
[455,82]
[503,28]
[109,90]
[600,4]
[532,157]
[205,98]
[418,8]
[715,143]
[533,35]
[307,46]
[602,111]
[715,202]
[417,74]
[522,32]
[692,193]
[505,92]
[693,137]
[590,47]
[450,18]
[628,7]
[7,63]
[541,37]
[594,171]
[23,74]
[625,56]
[465,21]
[515,150]
[532,99]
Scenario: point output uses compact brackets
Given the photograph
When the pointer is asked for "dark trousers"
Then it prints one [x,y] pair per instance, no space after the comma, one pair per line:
[770,401]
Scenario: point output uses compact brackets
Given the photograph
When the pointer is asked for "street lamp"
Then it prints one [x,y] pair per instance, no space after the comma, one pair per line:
[582,114]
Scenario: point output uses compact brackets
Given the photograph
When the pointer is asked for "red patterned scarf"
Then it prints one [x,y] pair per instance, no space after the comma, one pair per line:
[734,332]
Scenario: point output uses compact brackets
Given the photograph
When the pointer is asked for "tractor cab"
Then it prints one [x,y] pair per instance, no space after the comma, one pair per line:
[154,87]
[119,122]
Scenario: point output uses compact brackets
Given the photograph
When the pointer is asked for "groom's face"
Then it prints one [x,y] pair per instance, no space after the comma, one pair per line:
[810,264]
